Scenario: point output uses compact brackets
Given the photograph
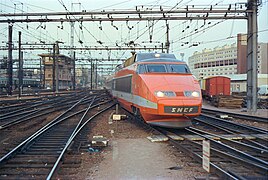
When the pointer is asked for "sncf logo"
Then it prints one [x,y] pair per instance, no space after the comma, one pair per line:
[181,109]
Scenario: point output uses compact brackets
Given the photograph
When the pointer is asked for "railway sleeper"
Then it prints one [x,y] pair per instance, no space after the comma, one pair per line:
[43,153]
[24,177]
[18,166]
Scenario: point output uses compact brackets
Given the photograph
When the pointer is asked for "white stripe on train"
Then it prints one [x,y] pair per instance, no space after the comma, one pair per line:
[140,101]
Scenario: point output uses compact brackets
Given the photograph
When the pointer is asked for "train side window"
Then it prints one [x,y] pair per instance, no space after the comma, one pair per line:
[156,68]
[179,68]
[141,69]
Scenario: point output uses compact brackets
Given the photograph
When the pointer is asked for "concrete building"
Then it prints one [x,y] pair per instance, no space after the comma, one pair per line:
[227,60]
[213,62]
[64,71]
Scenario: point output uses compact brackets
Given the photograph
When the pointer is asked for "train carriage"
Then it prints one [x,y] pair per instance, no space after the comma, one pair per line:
[158,87]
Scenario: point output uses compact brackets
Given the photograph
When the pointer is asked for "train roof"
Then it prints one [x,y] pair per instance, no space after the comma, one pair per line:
[145,56]
[161,60]
[150,57]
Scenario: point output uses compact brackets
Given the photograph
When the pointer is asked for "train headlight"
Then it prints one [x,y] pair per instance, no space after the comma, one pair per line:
[191,94]
[157,55]
[159,94]
[165,93]
[195,94]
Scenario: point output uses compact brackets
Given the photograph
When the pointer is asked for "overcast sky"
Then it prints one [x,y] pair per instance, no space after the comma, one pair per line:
[210,37]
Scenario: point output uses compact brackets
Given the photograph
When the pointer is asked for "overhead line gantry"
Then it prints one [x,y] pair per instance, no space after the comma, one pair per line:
[247,11]
[130,15]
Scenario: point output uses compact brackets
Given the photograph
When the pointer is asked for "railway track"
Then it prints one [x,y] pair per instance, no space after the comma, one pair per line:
[226,161]
[237,152]
[235,115]
[233,126]
[39,92]
[22,104]
[28,112]
[16,129]
[250,136]
[39,156]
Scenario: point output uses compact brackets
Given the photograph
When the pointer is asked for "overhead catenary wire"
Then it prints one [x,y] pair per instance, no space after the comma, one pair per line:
[22,28]
[61,2]
[196,32]
[132,34]
[147,29]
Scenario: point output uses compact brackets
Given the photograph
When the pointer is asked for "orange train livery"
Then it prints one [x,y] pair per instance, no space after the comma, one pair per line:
[159,88]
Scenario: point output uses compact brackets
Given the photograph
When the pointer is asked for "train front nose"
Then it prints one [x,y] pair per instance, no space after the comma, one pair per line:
[180,107]
[176,113]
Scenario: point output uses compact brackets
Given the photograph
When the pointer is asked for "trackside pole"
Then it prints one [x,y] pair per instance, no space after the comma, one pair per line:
[116,109]
[206,156]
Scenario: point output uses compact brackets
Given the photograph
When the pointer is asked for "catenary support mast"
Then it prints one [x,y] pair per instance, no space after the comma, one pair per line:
[252,48]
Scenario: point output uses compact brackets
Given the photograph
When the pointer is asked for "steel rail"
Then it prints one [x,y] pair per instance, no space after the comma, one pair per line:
[24,144]
[241,116]
[18,100]
[214,168]
[256,149]
[61,120]
[29,114]
[232,125]
[36,134]
[26,116]
[223,173]
[84,115]
[11,115]
[28,105]
[75,132]
[18,107]
[229,149]
[233,157]
[234,132]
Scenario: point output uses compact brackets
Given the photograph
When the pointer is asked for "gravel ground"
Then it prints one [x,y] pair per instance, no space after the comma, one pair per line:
[130,155]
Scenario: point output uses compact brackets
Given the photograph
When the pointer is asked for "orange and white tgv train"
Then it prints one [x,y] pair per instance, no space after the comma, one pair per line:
[158,87]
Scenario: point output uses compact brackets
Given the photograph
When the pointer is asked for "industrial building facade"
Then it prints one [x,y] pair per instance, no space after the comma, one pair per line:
[63,70]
